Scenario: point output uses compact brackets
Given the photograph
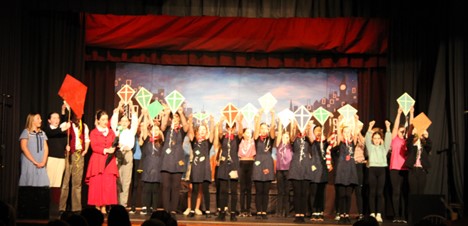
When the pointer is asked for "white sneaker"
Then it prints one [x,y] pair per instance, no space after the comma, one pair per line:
[187,211]
[379,218]
[372,215]
[198,212]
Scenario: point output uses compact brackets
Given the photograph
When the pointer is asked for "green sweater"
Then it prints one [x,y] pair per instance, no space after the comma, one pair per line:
[378,153]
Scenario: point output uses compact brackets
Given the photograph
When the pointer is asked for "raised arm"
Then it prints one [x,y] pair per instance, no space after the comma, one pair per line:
[240,127]
[356,129]
[183,120]
[369,134]
[280,134]
[134,122]
[272,124]
[293,132]
[211,129]
[388,136]
[339,130]
[396,124]
[257,123]
[411,114]
[191,132]
[115,116]
[165,118]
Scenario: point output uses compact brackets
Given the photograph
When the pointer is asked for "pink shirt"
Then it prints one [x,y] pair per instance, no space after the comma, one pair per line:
[398,157]
[247,149]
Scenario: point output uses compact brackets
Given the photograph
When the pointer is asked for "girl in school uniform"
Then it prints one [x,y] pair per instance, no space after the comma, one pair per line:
[263,171]
[174,127]
[300,171]
[151,141]
[201,140]
[320,174]
[346,175]
[228,167]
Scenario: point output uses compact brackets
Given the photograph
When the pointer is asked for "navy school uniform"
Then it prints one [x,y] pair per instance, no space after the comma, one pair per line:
[151,157]
[263,160]
[346,173]
[173,152]
[318,162]
[300,168]
[229,159]
[200,165]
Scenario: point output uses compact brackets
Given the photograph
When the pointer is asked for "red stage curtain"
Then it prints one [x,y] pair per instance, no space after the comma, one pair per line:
[235,34]
[225,59]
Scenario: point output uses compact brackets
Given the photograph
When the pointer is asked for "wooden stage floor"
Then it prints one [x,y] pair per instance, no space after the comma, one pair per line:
[182,220]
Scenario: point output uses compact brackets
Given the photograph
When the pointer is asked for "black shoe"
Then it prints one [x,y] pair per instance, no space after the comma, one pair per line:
[233,216]
[342,220]
[258,216]
[348,221]
[191,214]
[174,215]
[221,216]
[299,219]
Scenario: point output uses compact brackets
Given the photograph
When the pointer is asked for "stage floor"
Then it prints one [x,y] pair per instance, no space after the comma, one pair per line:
[182,220]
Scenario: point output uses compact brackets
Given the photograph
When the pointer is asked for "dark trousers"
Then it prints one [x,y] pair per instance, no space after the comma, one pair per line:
[245,179]
[150,195]
[282,184]
[300,193]
[228,188]
[171,189]
[360,167]
[417,180]
[136,183]
[206,194]
[376,188]
[262,191]
[399,190]
[317,197]
[344,195]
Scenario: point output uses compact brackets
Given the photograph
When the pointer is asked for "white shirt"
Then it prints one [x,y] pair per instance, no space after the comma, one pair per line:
[78,142]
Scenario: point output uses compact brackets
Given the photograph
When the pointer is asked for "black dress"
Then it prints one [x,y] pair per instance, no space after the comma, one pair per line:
[346,173]
[173,153]
[151,156]
[200,166]
[229,159]
[263,160]
[300,168]
[319,166]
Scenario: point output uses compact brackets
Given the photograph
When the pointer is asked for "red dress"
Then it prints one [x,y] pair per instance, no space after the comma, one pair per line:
[102,179]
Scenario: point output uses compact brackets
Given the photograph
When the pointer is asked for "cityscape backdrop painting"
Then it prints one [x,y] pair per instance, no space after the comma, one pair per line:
[209,89]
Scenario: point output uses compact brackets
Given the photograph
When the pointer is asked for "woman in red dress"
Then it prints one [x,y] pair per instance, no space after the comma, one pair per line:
[102,174]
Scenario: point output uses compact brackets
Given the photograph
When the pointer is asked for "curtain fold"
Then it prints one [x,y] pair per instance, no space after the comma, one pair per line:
[229,59]
[236,34]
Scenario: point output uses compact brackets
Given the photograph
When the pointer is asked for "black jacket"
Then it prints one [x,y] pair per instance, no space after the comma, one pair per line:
[412,152]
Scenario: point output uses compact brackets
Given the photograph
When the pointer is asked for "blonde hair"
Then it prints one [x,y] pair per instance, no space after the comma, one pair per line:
[30,120]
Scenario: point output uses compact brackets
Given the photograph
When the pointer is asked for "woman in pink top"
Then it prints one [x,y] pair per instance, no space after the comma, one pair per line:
[398,172]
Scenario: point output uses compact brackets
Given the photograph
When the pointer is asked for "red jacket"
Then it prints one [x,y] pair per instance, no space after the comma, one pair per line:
[97,162]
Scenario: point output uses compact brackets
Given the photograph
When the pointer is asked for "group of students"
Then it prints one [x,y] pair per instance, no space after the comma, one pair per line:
[151,152]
